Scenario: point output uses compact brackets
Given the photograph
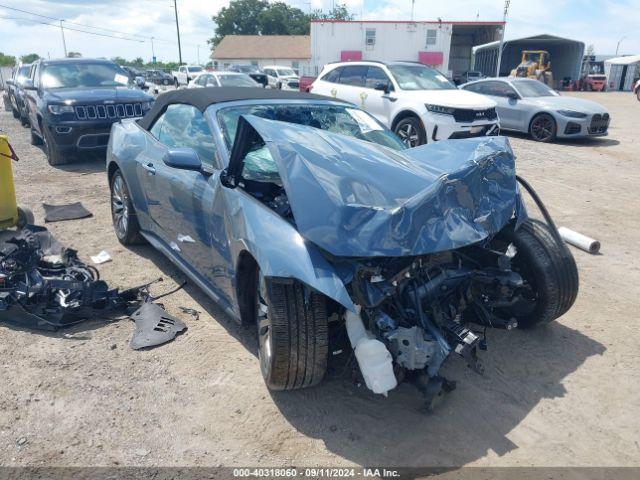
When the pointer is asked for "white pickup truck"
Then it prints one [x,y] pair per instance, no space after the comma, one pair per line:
[185,74]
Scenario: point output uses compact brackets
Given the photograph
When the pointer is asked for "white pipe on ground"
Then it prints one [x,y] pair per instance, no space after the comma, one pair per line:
[576,239]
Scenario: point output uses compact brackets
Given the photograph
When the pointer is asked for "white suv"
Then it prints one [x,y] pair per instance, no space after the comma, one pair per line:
[282,78]
[415,101]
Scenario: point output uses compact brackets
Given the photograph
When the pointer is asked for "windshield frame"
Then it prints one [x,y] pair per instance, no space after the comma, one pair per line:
[391,67]
[225,150]
[117,69]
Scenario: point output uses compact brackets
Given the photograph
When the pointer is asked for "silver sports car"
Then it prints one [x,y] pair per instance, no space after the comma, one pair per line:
[530,106]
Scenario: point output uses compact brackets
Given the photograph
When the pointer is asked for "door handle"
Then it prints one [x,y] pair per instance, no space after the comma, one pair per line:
[151,170]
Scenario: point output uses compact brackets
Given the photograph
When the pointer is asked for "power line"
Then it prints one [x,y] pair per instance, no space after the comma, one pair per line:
[73,29]
[76,23]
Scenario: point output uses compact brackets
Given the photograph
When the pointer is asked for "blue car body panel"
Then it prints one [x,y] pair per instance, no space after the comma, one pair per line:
[348,197]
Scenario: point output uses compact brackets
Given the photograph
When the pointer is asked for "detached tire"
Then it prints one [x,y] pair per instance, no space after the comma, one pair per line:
[293,335]
[548,268]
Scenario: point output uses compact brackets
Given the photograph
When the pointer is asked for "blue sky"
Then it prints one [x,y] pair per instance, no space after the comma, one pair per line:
[601,23]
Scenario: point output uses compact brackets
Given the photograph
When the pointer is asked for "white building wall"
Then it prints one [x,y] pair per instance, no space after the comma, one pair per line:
[394,41]
[302,64]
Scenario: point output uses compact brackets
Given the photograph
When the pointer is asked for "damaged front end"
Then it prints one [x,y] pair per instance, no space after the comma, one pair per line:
[430,243]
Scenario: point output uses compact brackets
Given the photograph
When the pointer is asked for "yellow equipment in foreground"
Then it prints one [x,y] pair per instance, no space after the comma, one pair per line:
[535,64]
[10,214]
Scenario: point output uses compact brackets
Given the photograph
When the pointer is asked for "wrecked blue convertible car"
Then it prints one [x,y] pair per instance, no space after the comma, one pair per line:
[302,215]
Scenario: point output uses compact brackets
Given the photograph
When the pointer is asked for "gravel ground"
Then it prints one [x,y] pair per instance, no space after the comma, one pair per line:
[565,394]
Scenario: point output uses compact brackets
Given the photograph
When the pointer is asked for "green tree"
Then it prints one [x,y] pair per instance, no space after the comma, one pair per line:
[338,12]
[138,62]
[241,17]
[31,57]
[7,60]
[74,55]
[119,60]
[281,19]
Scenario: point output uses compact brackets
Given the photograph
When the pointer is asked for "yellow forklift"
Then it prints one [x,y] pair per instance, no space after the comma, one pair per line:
[11,215]
[535,64]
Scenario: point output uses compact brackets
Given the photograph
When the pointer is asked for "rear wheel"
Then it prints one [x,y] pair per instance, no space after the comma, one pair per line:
[411,132]
[292,334]
[543,128]
[123,215]
[35,138]
[549,272]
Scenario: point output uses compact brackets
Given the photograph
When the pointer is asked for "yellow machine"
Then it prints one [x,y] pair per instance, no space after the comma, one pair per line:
[10,214]
[535,64]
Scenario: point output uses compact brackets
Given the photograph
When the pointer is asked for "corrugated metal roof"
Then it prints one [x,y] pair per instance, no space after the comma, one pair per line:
[628,60]
[544,38]
[266,47]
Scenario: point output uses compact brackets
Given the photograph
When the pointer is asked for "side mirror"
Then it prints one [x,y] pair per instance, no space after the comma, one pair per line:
[28,85]
[513,96]
[383,87]
[183,158]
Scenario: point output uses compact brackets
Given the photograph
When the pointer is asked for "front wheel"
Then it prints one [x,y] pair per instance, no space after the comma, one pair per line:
[549,272]
[543,128]
[292,334]
[411,132]
[54,155]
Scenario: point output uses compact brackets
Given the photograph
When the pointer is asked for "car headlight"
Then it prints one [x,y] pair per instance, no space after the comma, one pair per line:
[440,109]
[60,109]
[572,114]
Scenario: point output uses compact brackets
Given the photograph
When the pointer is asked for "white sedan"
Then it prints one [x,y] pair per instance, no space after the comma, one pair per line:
[223,79]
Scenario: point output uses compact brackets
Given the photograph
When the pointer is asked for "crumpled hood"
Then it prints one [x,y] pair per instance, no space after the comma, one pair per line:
[359,199]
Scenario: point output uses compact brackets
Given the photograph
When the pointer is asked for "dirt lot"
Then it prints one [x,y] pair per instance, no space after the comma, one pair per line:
[566,394]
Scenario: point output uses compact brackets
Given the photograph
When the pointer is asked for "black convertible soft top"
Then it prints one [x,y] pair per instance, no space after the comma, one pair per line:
[201,98]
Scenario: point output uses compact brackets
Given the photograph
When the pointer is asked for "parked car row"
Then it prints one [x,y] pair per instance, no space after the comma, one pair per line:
[421,105]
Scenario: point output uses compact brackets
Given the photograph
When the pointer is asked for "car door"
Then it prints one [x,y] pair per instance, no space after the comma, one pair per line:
[182,203]
[507,100]
[351,85]
[376,101]
[31,97]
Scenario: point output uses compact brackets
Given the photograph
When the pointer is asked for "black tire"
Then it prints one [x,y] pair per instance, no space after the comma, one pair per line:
[15,112]
[123,214]
[549,271]
[175,83]
[54,155]
[35,138]
[24,120]
[25,217]
[411,131]
[638,94]
[292,335]
[543,128]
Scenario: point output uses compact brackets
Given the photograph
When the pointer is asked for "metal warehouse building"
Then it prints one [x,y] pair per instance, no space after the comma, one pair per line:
[566,55]
[622,72]
[447,46]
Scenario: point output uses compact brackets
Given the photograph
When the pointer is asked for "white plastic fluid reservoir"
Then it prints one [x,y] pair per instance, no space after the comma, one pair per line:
[373,358]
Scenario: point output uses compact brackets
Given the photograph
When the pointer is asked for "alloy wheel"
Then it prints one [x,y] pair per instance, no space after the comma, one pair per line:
[542,128]
[119,207]
[408,135]
[265,352]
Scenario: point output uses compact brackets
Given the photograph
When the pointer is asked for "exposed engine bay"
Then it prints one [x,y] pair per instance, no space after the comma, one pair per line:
[421,309]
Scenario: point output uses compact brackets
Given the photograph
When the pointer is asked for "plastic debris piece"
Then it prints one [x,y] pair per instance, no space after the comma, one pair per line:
[102,257]
[154,326]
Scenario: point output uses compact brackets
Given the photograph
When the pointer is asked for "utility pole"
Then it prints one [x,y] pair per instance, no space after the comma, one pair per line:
[198,46]
[618,46]
[153,53]
[413,6]
[175,7]
[504,26]
[64,42]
